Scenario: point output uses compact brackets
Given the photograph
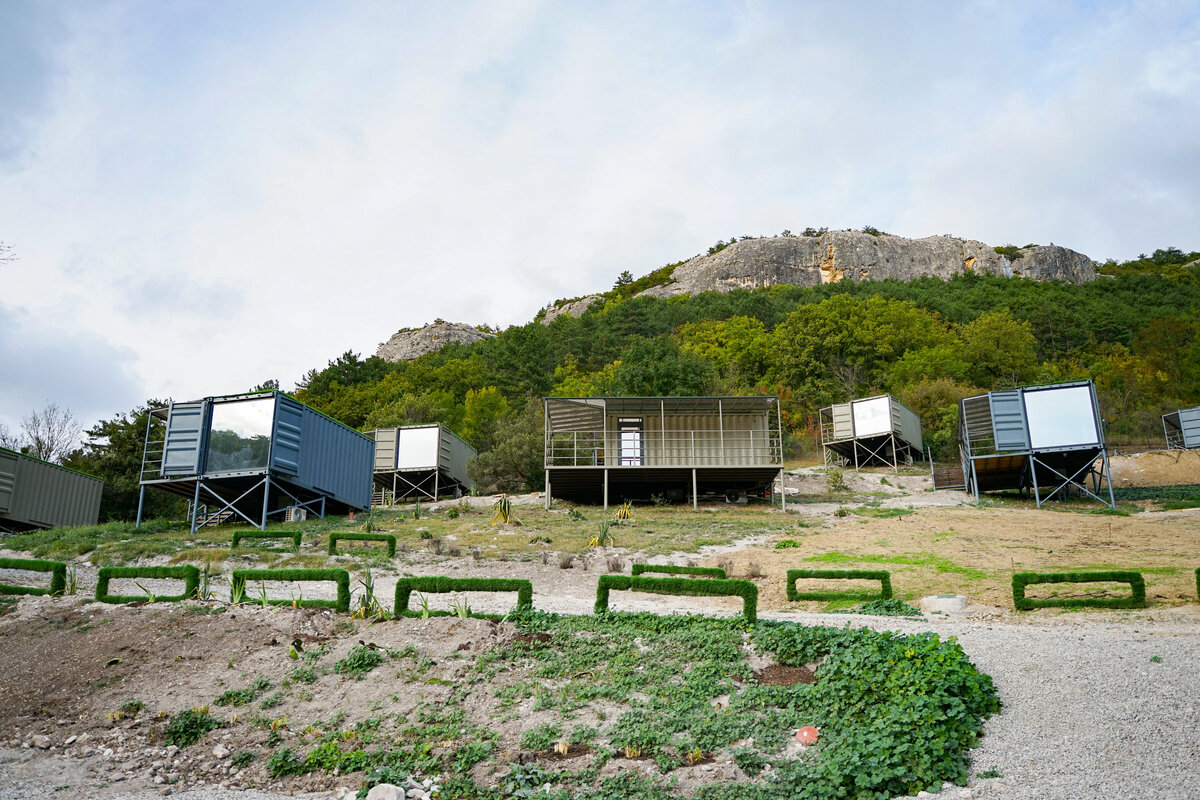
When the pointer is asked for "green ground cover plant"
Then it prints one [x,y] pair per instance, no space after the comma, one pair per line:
[671,569]
[442,585]
[883,576]
[57,570]
[387,538]
[692,587]
[237,585]
[258,536]
[189,574]
[1136,599]
[189,726]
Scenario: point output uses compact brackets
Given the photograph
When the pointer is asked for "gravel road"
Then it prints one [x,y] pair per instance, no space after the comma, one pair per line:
[1092,709]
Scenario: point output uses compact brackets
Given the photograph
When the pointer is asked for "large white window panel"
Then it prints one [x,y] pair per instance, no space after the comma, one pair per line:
[417,448]
[1061,417]
[872,417]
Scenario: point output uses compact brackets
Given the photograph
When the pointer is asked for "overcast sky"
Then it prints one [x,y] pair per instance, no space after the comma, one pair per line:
[205,195]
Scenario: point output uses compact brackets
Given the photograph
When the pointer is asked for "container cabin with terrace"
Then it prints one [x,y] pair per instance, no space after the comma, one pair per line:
[1182,428]
[253,458]
[420,461]
[1048,441]
[873,431]
[604,449]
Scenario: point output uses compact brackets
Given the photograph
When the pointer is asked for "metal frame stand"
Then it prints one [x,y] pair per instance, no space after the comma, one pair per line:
[1075,480]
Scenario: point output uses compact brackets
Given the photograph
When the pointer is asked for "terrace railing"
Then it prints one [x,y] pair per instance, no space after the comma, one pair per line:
[685,448]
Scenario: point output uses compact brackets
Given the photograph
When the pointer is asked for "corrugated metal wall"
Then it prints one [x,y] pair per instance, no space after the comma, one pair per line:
[453,454]
[333,459]
[385,449]
[696,439]
[1189,422]
[843,421]
[46,494]
[1008,421]
[186,426]
[907,424]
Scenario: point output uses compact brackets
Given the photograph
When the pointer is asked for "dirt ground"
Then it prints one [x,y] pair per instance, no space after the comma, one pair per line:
[67,665]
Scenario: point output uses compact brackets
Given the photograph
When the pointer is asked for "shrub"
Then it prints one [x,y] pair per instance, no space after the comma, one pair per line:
[671,569]
[1137,586]
[334,538]
[442,585]
[883,576]
[237,585]
[189,726]
[358,662]
[188,573]
[680,586]
[57,570]
[238,536]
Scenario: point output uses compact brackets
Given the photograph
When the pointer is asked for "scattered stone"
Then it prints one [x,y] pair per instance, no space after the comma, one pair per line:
[40,742]
[386,791]
[944,602]
[221,751]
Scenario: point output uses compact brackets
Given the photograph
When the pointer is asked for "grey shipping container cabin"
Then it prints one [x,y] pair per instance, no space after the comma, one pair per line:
[419,461]
[251,457]
[37,494]
[1039,439]
[1182,428]
[602,448]
[872,431]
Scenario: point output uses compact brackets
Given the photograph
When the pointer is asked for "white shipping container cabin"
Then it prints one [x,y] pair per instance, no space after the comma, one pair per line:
[1045,440]
[1182,428]
[416,461]
[872,431]
[635,448]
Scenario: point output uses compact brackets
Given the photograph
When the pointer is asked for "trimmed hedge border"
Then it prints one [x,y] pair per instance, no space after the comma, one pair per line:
[689,587]
[1198,583]
[438,584]
[57,570]
[340,576]
[334,538]
[1137,586]
[882,575]
[239,535]
[671,569]
[189,574]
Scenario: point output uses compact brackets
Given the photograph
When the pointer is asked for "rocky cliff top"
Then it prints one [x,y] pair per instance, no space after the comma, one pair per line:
[410,343]
[852,255]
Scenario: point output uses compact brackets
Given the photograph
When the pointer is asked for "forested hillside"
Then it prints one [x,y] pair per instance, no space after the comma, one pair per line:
[1135,331]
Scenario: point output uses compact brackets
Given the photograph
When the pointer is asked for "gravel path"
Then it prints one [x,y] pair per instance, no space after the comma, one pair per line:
[1088,712]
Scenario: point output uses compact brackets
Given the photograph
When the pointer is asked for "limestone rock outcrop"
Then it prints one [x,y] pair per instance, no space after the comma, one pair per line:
[407,344]
[855,256]
[571,309]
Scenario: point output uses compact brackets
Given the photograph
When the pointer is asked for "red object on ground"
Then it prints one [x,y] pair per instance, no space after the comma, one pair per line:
[807,735]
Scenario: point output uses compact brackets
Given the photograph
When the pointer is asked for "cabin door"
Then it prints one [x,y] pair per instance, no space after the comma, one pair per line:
[629,431]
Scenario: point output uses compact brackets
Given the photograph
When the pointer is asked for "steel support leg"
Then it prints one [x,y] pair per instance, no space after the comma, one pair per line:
[141,504]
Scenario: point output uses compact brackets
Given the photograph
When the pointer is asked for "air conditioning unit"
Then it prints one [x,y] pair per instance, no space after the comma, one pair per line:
[295,514]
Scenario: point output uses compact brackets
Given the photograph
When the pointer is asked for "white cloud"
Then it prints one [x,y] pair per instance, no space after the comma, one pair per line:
[232,192]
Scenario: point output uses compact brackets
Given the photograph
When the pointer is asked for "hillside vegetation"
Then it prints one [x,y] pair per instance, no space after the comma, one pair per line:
[929,342]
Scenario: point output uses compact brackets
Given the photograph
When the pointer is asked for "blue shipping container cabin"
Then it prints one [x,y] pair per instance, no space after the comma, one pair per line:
[251,457]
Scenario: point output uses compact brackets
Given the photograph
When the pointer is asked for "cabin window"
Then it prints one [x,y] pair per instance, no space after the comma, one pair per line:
[240,435]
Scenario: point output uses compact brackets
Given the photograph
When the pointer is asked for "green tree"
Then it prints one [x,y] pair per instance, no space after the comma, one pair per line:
[999,349]
[483,413]
[658,368]
[113,452]
[517,462]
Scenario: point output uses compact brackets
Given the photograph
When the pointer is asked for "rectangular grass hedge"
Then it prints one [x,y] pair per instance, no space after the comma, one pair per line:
[237,584]
[238,536]
[687,587]
[671,569]
[57,570]
[882,575]
[188,574]
[334,538]
[437,584]
[1137,586]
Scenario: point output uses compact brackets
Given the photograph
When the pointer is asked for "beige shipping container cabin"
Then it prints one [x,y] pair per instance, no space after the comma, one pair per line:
[633,448]
[871,431]
[419,461]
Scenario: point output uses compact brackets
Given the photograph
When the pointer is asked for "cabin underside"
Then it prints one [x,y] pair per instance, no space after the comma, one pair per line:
[393,486]
[254,499]
[604,485]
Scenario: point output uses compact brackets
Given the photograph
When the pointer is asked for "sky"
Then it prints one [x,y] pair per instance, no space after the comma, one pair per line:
[201,196]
